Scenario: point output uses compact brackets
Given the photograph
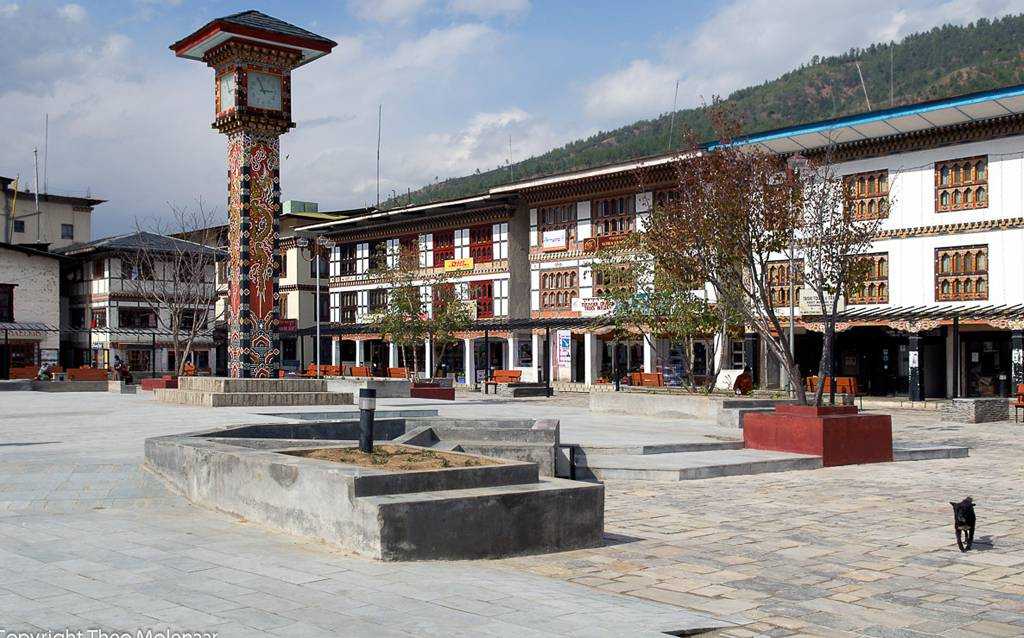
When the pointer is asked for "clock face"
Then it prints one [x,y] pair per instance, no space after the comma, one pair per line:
[227,92]
[264,91]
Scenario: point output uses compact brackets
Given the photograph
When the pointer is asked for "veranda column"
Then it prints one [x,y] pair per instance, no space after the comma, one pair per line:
[359,352]
[428,358]
[511,361]
[750,356]
[335,352]
[649,355]
[392,355]
[537,352]
[469,362]
[1017,357]
[592,354]
[916,377]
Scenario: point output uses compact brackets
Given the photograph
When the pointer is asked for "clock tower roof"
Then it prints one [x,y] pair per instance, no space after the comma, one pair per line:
[255,27]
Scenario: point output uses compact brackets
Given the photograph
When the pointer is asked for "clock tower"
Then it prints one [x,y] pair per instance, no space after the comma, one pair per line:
[253,55]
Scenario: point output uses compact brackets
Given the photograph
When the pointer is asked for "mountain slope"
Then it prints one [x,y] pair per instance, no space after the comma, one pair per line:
[946,61]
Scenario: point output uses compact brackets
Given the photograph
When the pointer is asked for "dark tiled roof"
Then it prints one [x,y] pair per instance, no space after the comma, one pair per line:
[29,250]
[257,20]
[137,241]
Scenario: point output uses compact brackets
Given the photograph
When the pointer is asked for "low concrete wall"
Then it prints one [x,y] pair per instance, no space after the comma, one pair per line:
[676,405]
[457,513]
[69,386]
[225,385]
[386,388]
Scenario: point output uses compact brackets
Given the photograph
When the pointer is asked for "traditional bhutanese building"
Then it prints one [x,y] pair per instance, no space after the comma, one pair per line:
[941,314]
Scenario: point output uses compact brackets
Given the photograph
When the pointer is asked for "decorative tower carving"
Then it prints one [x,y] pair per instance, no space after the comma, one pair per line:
[252,55]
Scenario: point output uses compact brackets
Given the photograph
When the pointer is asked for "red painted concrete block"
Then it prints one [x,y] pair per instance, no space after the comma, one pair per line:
[444,394]
[840,435]
[165,382]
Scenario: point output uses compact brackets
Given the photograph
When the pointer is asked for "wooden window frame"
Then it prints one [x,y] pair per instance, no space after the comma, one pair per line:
[444,247]
[866,198]
[481,243]
[558,287]
[558,217]
[956,193]
[613,216]
[875,288]
[615,282]
[482,292]
[964,278]
[7,307]
[777,281]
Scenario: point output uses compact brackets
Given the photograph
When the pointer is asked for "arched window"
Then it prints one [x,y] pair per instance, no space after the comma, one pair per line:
[944,176]
[982,286]
[957,265]
[968,263]
[944,200]
[871,208]
[956,198]
[982,262]
[979,195]
[945,263]
[968,287]
[871,291]
[871,185]
[883,292]
[956,287]
[979,171]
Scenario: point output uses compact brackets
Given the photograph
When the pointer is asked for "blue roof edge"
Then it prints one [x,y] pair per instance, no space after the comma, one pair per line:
[875,116]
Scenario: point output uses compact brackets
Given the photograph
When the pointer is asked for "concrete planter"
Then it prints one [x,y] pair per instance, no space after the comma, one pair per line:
[454,513]
[840,435]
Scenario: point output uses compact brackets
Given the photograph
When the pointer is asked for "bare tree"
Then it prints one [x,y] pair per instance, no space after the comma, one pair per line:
[832,241]
[737,209]
[174,276]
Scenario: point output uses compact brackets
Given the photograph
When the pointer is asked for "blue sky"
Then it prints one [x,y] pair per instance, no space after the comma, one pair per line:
[130,122]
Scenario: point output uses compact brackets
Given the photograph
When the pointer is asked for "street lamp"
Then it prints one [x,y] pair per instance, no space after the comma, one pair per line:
[328,244]
[795,163]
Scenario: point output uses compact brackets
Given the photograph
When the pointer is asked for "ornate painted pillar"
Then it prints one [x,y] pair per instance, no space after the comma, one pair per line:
[252,55]
[1017,358]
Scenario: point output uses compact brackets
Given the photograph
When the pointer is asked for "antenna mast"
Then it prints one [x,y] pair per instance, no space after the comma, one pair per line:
[380,114]
[35,156]
[672,120]
[511,171]
[892,48]
[46,149]
[863,86]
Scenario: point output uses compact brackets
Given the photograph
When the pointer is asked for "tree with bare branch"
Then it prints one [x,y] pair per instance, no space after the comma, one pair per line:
[737,209]
[175,276]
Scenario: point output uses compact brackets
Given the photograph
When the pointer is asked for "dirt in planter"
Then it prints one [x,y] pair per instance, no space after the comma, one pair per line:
[394,457]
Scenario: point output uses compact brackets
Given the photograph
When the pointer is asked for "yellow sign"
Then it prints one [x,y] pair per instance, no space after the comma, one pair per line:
[451,265]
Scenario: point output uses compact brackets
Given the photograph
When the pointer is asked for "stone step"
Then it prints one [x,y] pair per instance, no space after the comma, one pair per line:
[251,399]
[524,435]
[657,448]
[925,452]
[684,466]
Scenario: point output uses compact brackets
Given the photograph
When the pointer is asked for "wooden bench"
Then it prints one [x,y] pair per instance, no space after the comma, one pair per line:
[653,379]
[87,373]
[1018,407]
[360,371]
[844,385]
[502,376]
[325,371]
[398,373]
[23,372]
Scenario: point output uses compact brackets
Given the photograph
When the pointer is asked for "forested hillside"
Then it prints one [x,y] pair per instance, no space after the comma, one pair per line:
[943,62]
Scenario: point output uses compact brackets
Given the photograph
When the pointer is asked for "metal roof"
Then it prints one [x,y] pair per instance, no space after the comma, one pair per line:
[139,241]
[963,311]
[961,109]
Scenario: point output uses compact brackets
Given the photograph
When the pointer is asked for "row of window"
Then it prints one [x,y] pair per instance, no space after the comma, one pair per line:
[610,216]
[483,244]
[67,231]
[490,296]
[960,184]
[961,274]
[131,317]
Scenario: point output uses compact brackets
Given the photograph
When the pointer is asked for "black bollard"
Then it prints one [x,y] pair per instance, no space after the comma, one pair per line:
[367,406]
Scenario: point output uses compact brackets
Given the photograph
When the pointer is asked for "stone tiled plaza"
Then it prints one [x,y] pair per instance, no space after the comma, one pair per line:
[89,539]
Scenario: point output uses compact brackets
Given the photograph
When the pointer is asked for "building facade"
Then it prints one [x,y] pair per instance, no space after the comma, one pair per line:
[29,307]
[940,315]
[60,222]
[108,312]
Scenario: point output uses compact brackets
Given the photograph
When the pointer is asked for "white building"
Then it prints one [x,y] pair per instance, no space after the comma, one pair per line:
[109,316]
[29,307]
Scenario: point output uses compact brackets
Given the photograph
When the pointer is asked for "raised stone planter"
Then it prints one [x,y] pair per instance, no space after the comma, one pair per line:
[159,383]
[521,390]
[216,392]
[976,410]
[120,387]
[453,513]
[668,404]
[840,435]
[432,391]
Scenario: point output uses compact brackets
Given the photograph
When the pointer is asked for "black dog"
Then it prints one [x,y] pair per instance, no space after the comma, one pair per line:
[963,522]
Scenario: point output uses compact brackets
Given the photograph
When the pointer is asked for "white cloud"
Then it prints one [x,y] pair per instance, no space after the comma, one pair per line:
[489,8]
[750,41]
[386,10]
[8,10]
[73,13]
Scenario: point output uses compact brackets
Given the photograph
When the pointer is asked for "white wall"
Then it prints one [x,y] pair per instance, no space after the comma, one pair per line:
[37,291]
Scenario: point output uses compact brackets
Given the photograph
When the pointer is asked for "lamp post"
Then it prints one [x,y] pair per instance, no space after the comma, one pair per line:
[328,244]
[794,163]
[367,406]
